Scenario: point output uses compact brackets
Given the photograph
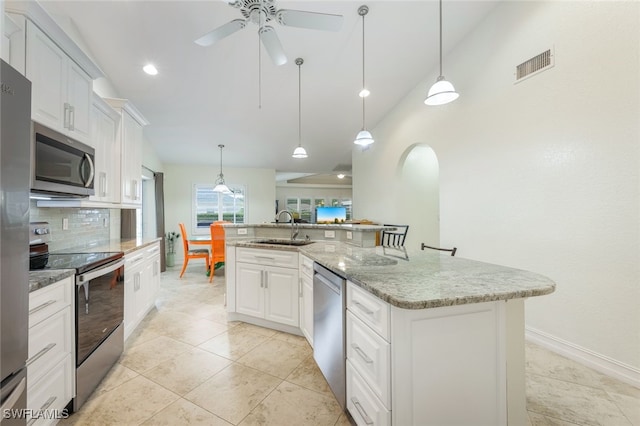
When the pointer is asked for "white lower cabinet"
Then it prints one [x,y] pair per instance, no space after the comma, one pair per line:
[50,367]
[306,298]
[364,406]
[267,286]
[141,285]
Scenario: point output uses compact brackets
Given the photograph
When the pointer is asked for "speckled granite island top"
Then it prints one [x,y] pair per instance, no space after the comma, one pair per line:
[424,279]
[44,277]
[124,245]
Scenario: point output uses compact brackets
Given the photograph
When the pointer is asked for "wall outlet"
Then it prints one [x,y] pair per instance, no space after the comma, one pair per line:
[329,234]
[349,235]
[65,224]
[242,231]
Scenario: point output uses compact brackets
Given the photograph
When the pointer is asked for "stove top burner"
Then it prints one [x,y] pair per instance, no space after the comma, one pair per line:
[81,262]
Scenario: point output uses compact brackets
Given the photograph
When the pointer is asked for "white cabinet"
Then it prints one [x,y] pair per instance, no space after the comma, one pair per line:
[104,125]
[267,285]
[13,42]
[141,285]
[130,139]
[61,90]
[306,298]
[51,362]
[368,357]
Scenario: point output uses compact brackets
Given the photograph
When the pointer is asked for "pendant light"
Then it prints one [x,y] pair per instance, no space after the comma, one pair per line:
[299,152]
[220,185]
[363,138]
[442,91]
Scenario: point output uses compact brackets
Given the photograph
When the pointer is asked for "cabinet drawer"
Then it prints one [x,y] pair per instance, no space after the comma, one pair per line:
[306,266]
[370,356]
[365,408]
[152,250]
[133,259]
[52,392]
[49,342]
[48,300]
[373,311]
[286,259]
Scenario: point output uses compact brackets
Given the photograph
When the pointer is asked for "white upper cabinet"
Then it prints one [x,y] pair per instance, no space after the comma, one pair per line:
[13,41]
[130,140]
[61,90]
[104,126]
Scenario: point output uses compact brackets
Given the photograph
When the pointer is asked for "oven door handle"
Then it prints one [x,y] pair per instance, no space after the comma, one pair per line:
[100,272]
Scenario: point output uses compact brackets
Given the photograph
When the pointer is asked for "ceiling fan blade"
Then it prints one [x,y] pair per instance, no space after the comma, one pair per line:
[272,44]
[312,20]
[221,32]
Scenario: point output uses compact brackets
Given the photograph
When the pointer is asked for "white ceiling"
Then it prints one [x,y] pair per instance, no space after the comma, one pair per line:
[206,96]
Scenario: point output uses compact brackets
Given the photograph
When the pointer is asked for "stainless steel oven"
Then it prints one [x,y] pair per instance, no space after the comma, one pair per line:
[60,165]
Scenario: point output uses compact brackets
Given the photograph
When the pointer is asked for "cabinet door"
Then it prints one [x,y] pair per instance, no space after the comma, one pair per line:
[111,157]
[281,302]
[46,67]
[306,308]
[131,160]
[250,289]
[79,90]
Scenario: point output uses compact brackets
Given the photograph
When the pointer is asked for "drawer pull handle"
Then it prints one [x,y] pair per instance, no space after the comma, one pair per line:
[40,354]
[363,308]
[41,307]
[44,407]
[360,409]
[361,353]
[265,257]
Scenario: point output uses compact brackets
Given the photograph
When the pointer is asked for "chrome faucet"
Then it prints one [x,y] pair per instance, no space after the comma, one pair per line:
[294,231]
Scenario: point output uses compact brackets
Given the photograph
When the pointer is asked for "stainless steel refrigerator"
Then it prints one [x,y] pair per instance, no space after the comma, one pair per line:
[15,136]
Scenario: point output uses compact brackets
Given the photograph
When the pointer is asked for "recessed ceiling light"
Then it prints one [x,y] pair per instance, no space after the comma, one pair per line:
[341,176]
[364,93]
[150,69]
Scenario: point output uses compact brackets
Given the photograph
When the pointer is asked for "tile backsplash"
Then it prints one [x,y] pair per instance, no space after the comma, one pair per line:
[86,225]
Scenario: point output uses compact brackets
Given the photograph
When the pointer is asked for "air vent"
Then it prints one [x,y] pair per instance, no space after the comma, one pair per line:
[535,65]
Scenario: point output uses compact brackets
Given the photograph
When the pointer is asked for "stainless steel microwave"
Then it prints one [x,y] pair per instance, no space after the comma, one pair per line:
[61,166]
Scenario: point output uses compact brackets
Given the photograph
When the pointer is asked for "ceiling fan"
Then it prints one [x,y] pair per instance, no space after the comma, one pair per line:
[261,12]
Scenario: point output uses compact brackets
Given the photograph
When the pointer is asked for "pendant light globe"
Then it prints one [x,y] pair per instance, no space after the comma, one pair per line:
[363,138]
[299,152]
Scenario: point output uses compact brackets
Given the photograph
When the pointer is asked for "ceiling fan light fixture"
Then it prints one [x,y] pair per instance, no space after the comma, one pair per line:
[340,175]
[442,92]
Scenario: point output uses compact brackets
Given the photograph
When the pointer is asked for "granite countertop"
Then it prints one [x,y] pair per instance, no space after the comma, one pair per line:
[346,226]
[44,277]
[415,279]
[124,245]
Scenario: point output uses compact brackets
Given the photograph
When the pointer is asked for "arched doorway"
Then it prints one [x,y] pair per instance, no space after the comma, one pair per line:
[419,200]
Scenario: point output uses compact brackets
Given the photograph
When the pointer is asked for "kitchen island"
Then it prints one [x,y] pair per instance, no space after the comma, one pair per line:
[431,339]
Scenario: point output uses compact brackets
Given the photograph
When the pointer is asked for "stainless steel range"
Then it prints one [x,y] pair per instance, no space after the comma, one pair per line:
[99,307]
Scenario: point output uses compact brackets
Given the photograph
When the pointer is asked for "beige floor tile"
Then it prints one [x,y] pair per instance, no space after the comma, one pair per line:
[187,371]
[536,419]
[571,402]
[149,354]
[234,343]
[299,406]
[195,331]
[629,405]
[258,330]
[118,375]
[309,376]
[140,335]
[292,338]
[276,357]
[234,392]
[129,404]
[183,412]
[343,420]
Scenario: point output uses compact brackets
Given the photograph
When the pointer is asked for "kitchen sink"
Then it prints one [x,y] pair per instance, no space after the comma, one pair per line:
[283,242]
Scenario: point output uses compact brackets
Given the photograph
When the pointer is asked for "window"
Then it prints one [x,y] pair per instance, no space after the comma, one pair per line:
[211,206]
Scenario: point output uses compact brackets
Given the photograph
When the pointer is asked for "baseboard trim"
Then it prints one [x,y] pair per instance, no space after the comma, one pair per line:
[598,362]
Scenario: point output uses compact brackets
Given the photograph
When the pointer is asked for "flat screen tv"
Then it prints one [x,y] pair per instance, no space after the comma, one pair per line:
[331,215]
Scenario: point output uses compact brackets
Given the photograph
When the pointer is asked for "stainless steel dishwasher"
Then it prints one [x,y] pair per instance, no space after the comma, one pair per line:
[329,304]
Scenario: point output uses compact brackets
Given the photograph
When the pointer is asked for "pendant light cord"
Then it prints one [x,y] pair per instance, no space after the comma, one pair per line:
[363,86]
[440,37]
[299,105]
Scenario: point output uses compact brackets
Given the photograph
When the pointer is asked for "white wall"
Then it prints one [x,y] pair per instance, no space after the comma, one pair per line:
[179,181]
[540,175]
